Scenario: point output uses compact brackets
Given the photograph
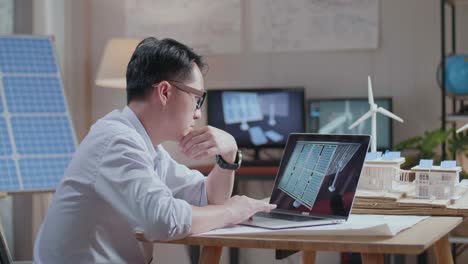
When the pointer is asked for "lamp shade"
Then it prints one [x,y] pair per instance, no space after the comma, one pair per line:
[113,66]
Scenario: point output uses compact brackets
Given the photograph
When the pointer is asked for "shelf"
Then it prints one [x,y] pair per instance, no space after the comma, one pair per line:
[456,96]
[457,118]
[453,2]
[456,1]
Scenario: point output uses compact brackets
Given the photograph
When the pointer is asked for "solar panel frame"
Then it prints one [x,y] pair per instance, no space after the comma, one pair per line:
[41,169]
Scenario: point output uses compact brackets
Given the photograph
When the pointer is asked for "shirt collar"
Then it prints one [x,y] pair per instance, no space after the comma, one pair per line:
[133,119]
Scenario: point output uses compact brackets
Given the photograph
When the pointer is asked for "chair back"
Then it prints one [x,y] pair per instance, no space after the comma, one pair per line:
[5,256]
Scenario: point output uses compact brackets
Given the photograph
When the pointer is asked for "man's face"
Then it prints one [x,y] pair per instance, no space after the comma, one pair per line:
[186,110]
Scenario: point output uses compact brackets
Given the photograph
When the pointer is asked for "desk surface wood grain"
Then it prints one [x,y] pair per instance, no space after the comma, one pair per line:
[411,241]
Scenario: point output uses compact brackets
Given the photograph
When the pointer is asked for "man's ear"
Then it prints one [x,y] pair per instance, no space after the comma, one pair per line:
[162,92]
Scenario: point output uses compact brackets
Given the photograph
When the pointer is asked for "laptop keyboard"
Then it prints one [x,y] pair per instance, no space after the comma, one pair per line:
[295,218]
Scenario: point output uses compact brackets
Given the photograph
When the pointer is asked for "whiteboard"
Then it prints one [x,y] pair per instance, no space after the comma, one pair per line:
[209,27]
[301,25]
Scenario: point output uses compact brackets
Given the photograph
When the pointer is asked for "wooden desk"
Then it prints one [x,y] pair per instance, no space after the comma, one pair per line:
[432,232]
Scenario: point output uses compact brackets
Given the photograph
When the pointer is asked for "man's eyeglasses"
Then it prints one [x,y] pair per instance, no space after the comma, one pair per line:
[200,95]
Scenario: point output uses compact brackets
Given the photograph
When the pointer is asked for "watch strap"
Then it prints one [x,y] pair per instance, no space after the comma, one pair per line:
[230,166]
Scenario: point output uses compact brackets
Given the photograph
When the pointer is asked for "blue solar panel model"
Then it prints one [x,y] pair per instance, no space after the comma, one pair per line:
[37,139]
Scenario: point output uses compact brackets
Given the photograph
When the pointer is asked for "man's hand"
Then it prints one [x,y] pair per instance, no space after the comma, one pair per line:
[208,141]
[241,208]
[234,211]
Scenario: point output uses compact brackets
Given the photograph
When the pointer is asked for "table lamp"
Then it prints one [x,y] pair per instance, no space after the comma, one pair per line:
[113,66]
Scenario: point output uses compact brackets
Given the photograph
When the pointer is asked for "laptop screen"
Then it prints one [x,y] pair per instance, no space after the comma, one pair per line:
[319,174]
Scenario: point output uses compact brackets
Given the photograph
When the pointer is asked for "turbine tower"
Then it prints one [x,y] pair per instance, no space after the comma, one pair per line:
[374,109]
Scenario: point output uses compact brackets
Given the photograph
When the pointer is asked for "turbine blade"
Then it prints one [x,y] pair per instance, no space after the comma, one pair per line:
[369,92]
[361,119]
[333,125]
[385,112]
[463,128]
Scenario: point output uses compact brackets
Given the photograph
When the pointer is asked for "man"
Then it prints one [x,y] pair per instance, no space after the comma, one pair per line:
[121,181]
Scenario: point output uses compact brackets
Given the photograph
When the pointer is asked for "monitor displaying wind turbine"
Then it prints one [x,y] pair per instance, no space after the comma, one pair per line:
[335,115]
[336,125]
[372,113]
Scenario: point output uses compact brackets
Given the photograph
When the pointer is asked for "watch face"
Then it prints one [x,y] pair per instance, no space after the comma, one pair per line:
[239,157]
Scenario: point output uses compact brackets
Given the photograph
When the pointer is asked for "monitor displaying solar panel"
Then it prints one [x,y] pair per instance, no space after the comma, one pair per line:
[334,116]
[257,117]
[37,138]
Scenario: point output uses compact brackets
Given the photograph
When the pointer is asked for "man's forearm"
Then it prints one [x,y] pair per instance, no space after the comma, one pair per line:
[209,217]
[219,185]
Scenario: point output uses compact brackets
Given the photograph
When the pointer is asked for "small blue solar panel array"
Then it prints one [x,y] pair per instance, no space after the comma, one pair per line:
[37,139]
[241,107]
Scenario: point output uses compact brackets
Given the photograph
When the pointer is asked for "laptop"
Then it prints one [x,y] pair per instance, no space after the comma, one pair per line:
[316,181]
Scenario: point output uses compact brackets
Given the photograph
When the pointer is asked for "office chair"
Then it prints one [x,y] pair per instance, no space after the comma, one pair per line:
[5,256]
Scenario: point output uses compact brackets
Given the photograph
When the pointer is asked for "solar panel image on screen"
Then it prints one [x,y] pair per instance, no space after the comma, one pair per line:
[257,118]
[310,162]
[241,107]
[37,138]
[274,104]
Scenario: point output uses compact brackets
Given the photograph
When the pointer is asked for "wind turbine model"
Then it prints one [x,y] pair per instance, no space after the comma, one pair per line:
[374,109]
[463,128]
[338,122]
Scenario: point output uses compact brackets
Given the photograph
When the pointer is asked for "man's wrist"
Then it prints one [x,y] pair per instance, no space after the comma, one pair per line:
[230,165]
[228,215]
[230,157]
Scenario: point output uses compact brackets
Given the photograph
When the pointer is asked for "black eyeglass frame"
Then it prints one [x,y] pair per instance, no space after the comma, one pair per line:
[201,95]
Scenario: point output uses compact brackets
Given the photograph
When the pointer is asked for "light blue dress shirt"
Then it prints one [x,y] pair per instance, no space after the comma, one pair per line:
[118,184]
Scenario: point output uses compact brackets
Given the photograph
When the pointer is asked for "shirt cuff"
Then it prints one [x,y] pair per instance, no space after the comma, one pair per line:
[204,195]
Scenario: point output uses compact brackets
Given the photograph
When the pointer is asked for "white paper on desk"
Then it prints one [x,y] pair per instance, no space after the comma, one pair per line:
[357,225]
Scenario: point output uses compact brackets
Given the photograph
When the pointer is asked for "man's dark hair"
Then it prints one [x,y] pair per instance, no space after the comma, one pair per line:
[156,60]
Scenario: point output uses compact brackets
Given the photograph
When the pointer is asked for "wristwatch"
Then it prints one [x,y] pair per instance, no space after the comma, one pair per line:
[230,166]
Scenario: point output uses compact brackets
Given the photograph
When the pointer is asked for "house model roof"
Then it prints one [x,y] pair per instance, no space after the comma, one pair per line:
[389,158]
[437,169]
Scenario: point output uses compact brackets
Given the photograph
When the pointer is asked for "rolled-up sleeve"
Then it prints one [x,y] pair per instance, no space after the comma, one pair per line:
[127,181]
[185,183]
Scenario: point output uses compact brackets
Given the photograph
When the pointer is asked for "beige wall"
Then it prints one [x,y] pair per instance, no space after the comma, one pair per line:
[403,66]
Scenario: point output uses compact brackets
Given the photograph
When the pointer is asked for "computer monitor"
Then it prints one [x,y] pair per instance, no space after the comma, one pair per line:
[334,116]
[257,118]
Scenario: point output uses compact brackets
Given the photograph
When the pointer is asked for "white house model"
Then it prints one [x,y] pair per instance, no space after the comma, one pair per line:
[436,181]
[380,172]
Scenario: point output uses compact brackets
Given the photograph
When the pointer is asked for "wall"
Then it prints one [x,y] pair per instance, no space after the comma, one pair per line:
[403,66]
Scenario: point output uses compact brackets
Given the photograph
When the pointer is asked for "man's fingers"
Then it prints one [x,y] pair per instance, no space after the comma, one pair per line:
[190,135]
[266,207]
[199,149]
[206,153]
[199,142]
